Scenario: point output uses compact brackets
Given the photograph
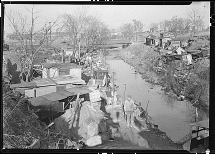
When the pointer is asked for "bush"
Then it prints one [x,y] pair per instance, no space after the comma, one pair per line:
[20,126]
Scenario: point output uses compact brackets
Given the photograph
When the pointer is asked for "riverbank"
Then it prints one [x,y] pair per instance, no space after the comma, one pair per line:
[157,139]
[195,87]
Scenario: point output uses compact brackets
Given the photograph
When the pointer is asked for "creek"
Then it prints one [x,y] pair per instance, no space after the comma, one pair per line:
[171,116]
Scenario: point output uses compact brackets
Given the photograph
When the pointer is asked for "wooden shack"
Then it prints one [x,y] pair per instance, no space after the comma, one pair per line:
[150,39]
[57,69]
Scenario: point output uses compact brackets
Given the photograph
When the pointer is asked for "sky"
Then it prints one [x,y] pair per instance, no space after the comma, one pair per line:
[112,15]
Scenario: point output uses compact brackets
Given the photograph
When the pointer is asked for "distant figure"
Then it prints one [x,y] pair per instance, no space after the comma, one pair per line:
[129,107]
[108,81]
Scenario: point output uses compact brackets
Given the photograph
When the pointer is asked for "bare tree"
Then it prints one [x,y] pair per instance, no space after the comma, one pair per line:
[153,26]
[197,19]
[87,29]
[25,32]
[186,23]
[127,30]
[138,26]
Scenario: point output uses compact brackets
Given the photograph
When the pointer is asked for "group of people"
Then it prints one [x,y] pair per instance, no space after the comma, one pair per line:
[85,60]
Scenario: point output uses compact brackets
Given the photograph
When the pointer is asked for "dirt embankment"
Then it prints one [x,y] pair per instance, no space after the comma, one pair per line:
[191,81]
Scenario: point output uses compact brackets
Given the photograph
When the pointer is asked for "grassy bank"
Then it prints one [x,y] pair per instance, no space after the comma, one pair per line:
[192,83]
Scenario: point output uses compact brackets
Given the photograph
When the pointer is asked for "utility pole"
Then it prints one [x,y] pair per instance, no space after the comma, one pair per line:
[50,31]
[79,48]
[46,35]
[135,29]
[113,88]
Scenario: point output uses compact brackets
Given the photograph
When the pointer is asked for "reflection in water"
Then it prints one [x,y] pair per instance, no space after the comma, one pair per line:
[172,116]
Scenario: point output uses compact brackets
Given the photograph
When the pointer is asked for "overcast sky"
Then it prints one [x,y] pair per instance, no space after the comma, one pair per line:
[112,15]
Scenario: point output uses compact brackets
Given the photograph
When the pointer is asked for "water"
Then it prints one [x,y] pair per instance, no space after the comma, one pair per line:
[171,116]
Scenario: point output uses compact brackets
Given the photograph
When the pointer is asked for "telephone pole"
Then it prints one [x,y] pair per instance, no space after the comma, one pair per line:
[50,31]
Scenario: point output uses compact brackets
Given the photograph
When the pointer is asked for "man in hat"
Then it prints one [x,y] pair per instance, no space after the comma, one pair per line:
[129,107]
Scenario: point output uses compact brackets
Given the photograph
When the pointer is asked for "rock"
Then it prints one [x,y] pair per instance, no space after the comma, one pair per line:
[93,141]
[92,129]
[143,143]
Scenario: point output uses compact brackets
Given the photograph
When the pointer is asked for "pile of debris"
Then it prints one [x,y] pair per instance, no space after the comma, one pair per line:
[83,122]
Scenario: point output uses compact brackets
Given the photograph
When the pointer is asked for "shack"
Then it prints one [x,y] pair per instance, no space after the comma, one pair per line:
[45,86]
[150,39]
[52,105]
[56,69]
[165,38]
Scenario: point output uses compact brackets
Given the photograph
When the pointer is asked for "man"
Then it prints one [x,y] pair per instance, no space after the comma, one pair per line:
[129,107]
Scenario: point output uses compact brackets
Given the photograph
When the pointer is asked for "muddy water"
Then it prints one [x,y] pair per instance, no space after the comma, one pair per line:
[171,116]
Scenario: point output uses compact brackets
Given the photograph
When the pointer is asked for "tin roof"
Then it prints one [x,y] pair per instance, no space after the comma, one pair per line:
[38,101]
[65,93]
[61,65]
[77,90]
[150,36]
[24,85]
[66,79]
[54,96]
[44,82]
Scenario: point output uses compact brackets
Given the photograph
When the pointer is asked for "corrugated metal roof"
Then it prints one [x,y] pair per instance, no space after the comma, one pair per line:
[67,79]
[77,90]
[61,65]
[44,82]
[24,85]
[40,101]
[150,36]
[66,93]
[54,96]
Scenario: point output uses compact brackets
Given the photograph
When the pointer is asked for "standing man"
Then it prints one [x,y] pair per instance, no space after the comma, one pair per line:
[129,107]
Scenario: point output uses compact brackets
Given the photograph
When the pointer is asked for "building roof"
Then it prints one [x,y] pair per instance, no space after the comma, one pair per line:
[61,65]
[66,93]
[24,85]
[151,36]
[77,90]
[67,79]
[40,101]
[44,82]
[54,96]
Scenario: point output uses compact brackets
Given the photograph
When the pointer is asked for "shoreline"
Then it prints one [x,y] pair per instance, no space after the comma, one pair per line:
[148,135]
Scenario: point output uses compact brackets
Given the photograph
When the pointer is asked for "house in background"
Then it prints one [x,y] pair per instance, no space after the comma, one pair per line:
[165,38]
[150,39]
